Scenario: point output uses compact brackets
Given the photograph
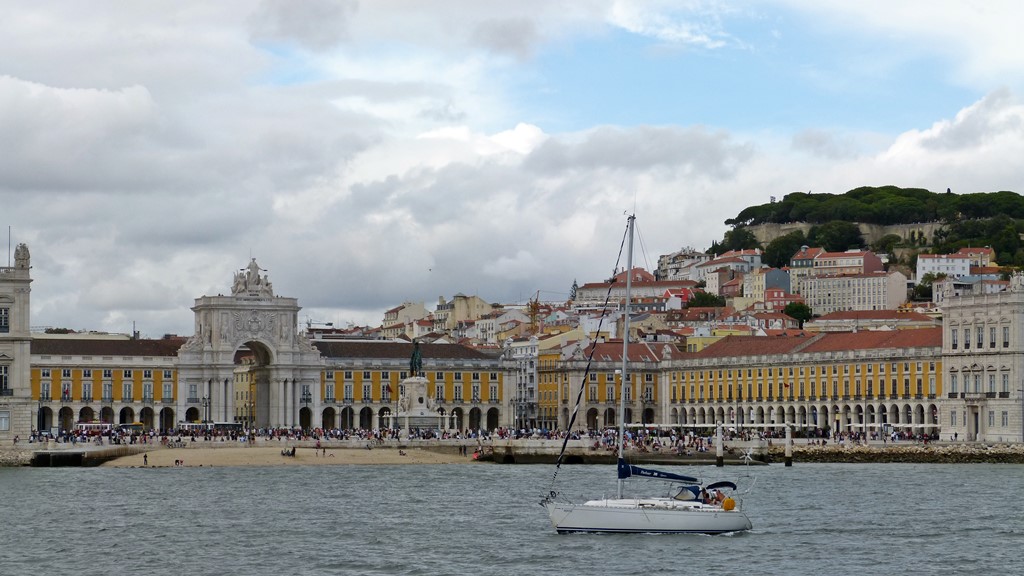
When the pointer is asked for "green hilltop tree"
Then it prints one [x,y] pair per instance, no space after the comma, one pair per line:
[798,311]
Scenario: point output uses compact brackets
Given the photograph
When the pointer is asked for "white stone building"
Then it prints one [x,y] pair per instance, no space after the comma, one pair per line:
[983,356]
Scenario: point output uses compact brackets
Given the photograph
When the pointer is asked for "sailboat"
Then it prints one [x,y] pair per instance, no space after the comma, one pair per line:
[686,506]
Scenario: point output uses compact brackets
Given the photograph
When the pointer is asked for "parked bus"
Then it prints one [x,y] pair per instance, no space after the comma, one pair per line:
[132,428]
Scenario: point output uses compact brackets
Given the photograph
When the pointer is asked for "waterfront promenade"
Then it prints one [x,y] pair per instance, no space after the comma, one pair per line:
[267,452]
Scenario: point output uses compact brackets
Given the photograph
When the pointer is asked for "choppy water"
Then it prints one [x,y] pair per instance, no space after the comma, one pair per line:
[485,519]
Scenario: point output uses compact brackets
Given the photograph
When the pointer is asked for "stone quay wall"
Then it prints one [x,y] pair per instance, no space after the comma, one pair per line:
[935,453]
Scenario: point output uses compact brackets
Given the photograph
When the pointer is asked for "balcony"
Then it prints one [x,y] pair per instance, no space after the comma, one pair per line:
[7,392]
[86,399]
[127,399]
[1004,394]
[192,400]
[330,400]
[167,401]
[348,400]
[953,395]
[107,400]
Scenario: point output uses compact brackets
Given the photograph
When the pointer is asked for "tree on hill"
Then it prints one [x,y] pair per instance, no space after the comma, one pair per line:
[836,236]
[735,239]
[798,311]
[705,300]
[882,205]
[779,251]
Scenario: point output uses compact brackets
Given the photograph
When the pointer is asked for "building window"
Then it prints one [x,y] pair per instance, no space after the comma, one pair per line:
[65,373]
[952,418]
[494,392]
[458,375]
[992,383]
[967,338]
[992,337]
[87,373]
[348,375]
[330,375]
[953,338]
[127,374]
[3,378]
[168,392]
[991,418]
[366,392]
[46,373]
[5,321]
[167,375]
[1006,336]
[126,392]
[1006,384]
[108,373]
[366,375]
[981,337]
[1005,418]
[952,383]
[457,394]
[439,376]
[5,420]
[385,375]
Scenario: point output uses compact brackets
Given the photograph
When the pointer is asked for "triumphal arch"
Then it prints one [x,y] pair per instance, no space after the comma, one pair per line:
[282,376]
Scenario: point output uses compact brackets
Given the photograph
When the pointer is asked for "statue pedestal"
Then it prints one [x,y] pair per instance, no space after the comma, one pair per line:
[415,407]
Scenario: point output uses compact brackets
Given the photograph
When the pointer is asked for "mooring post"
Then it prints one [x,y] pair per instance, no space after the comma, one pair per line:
[719,455]
[789,446]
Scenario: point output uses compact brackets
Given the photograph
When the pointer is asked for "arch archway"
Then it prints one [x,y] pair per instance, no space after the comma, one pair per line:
[592,419]
[328,418]
[493,419]
[166,419]
[474,418]
[347,418]
[126,415]
[366,418]
[229,366]
[147,417]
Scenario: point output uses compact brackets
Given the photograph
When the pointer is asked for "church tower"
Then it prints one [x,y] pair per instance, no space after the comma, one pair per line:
[15,348]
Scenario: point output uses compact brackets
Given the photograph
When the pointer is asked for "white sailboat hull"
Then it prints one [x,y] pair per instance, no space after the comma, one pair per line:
[645,515]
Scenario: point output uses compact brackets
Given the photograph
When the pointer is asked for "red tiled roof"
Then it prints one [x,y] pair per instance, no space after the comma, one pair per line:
[875,315]
[873,339]
[752,346]
[86,347]
[383,349]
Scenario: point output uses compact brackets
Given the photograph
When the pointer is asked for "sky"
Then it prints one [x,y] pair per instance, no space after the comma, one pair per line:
[370,153]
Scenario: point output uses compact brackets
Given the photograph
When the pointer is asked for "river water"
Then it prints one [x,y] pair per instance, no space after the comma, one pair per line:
[831,519]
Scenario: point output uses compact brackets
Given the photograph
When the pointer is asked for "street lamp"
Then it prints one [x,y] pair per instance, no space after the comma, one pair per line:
[307,398]
[205,402]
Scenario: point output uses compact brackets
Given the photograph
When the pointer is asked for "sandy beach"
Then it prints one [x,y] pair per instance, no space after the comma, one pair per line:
[271,456]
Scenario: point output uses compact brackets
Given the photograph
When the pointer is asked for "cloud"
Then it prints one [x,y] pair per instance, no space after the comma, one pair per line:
[693,150]
[687,23]
[376,153]
[822,143]
[513,36]
[313,24]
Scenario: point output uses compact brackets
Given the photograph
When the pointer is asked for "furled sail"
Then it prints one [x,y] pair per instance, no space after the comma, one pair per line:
[627,470]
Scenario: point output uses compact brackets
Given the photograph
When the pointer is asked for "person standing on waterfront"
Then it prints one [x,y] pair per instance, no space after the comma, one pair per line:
[145,459]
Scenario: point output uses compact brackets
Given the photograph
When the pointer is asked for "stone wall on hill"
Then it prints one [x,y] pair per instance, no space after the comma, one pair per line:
[765,233]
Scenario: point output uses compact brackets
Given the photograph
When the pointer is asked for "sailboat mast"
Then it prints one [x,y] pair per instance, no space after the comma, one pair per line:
[625,345]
